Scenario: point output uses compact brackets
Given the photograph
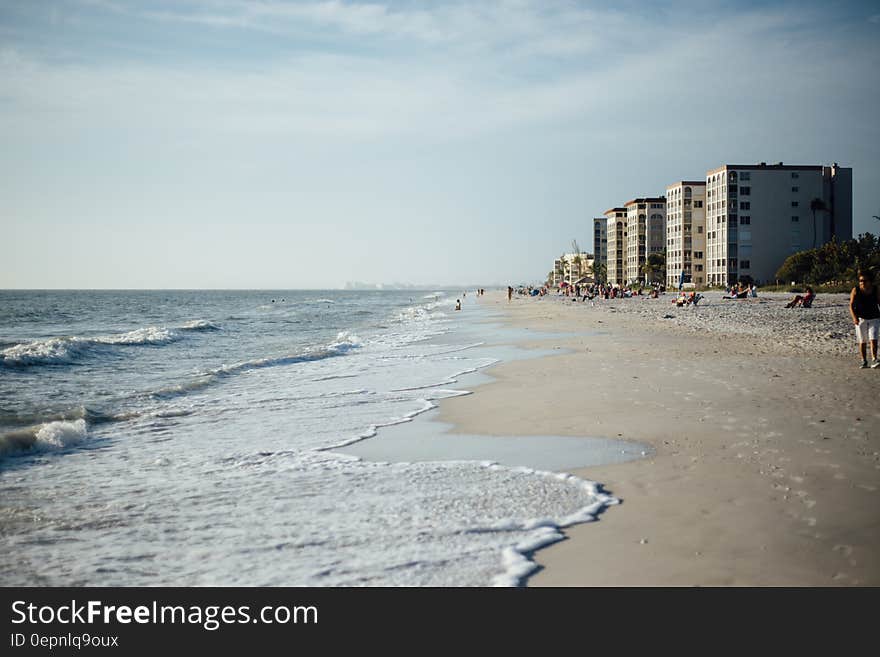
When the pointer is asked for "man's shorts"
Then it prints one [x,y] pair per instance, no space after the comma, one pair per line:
[867,330]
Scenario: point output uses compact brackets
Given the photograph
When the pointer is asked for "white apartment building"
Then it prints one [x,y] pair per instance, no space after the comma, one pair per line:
[571,267]
[759,214]
[686,232]
[646,233]
[600,241]
[615,258]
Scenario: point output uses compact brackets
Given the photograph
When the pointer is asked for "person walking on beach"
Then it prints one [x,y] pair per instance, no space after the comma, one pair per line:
[509,293]
[864,306]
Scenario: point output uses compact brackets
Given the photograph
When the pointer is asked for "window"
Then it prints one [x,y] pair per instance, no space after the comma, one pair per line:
[745,219]
[745,264]
[698,255]
[699,229]
[795,189]
[795,218]
[745,175]
[745,205]
[698,267]
[794,204]
[795,175]
[745,191]
[698,204]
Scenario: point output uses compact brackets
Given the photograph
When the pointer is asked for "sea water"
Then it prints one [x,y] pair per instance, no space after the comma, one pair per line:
[199,438]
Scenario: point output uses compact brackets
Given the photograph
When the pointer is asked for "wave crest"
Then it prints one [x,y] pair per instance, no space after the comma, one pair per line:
[64,350]
[48,436]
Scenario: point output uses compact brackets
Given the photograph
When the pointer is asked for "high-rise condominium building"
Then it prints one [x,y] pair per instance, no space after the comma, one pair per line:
[759,214]
[686,232]
[600,243]
[645,233]
[615,258]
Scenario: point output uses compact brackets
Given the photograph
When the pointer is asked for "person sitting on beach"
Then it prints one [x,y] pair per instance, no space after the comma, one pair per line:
[737,292]
[805,301]
[458,304]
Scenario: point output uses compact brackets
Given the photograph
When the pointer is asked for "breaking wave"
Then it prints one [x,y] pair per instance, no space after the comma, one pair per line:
[47,436]
[64,350]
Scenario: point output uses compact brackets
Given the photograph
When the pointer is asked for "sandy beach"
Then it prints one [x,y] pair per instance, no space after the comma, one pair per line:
[766,438]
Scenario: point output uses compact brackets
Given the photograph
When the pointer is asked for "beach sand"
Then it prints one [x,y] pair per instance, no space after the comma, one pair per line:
[766,438]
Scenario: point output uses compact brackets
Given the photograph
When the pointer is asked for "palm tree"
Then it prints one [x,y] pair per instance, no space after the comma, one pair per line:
[654,263]
[817,204]
[577,260]
[600,271]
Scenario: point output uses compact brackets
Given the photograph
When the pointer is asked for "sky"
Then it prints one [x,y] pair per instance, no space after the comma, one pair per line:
[281,145]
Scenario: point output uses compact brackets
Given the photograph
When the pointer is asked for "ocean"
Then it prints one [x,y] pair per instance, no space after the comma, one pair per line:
[196,438]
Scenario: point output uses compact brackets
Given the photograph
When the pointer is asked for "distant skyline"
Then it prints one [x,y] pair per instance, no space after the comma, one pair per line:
[280,145]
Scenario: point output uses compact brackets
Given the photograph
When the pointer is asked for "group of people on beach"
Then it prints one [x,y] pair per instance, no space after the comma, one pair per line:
[864,305]
[741,291]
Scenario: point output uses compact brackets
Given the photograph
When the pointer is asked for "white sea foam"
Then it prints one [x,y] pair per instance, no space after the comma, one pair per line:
[59,435]
[53,350]
[149,335]
[200,325]
[345,341]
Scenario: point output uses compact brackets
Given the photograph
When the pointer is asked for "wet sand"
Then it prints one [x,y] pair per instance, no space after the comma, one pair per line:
[766,468]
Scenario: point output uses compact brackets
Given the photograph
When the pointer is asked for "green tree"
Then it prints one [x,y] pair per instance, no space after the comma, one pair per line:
[796,267]
[834,262]
[654,268]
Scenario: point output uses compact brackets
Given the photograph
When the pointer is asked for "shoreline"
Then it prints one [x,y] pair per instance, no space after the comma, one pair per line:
[766,463]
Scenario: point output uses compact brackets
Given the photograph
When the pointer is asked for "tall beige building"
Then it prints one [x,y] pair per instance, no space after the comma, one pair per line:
[645,233]
[615,254]
[686,232]
[759,214]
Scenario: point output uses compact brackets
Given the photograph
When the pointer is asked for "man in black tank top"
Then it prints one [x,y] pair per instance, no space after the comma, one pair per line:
[864,306]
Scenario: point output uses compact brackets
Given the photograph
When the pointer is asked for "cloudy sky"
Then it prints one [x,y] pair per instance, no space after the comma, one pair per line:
[246,144]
